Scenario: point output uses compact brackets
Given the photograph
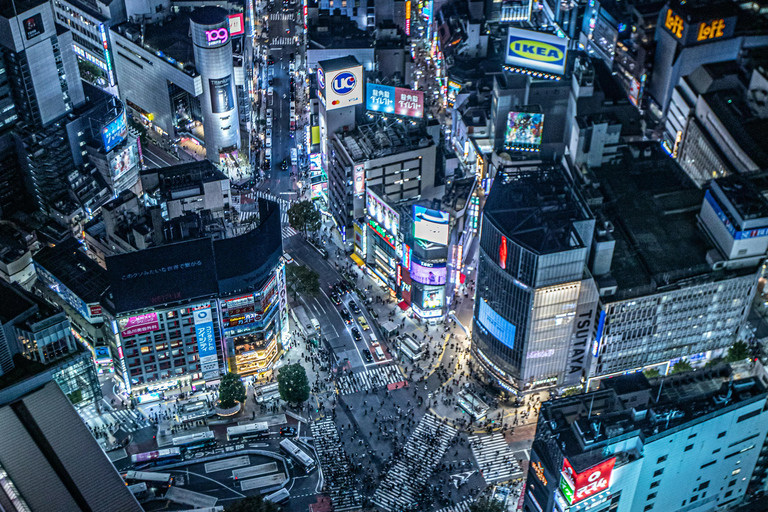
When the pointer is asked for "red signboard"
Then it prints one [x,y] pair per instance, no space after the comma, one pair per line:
[95,310]
[590,482]
[503,253]
[409,102]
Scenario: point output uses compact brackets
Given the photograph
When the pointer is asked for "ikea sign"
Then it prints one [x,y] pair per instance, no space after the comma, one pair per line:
[536,51]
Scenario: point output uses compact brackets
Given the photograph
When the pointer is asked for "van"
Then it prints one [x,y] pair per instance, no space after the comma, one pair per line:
[315,324]
[379,353]
[280,497]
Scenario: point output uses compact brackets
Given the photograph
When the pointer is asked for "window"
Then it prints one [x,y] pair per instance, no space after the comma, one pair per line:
[742,440]
[708,464]
[658,472]
[661,459]
[689,447]
[728,493]
[691,436]
[704,485]
[650,496]
[654,484]
[721,434]
[751,414]
[695,498]
[649,506]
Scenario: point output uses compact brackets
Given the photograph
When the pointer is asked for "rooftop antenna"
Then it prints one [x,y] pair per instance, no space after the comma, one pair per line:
[590,406]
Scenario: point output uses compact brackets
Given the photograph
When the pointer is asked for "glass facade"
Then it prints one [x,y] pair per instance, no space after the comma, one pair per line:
[77,378]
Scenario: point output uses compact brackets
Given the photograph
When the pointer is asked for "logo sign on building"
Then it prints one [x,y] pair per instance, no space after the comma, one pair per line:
[394,100]
[342,87]
[496,325]
[431,225]
[33,26]
[729,226]
[94,310]
[407,17]
[114,132]
[536,51]
[206,343]
[140,324]
[579,486]
[688,34]
[359,179]
[320,78]
[217,36]
[236,24]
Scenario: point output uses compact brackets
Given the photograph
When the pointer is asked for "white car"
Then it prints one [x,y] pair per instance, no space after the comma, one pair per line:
[288,259]
[269,133]
[269,142]
[270,91]
[269,121]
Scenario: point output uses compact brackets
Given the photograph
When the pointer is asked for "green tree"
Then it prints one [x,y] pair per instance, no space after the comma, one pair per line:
[652,373]
[681,366]
[487,505]
[714,362]
[231,390]
[575,390]
[301,279]
[293,384]
[738,352]
[252,504]
[304,217]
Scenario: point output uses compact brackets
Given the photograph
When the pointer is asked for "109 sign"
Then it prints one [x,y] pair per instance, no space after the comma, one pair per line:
[217,36]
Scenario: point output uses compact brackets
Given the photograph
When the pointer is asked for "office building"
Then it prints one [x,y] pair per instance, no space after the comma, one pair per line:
[691,442]
[50,461]
[535,304]
[183,313]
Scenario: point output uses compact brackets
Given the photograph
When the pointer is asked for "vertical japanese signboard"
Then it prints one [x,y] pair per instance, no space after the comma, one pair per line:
[206,343]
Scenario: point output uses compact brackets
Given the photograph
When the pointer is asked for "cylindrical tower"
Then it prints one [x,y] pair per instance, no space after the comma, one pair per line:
[213,60]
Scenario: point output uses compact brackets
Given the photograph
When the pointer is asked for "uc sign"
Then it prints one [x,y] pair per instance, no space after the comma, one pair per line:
[344,83]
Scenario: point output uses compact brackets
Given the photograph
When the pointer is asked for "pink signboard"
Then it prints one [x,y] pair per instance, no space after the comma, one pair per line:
[409,102]
[140,324]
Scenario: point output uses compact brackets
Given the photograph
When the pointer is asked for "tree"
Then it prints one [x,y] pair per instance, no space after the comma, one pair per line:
[652,373]
[575,390]
[231,390]
[292,383]
[301,279]
[252,504]
[487,505]
[681,366]
[303,216]
[738,352]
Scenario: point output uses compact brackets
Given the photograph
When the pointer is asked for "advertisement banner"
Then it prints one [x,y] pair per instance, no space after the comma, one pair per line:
[535,50]
[382,213]
[140,324]
[432,299]
[343,87]
[380,98]
[579,486]
[206,344]
[95,310]
[33,26]
[524,130]
[405,285]
[428,273]
[222,96]
[409,102]
[102,354]
[359,179]
[431,225]
[114,132]
[496,325]
[123,161]
[236,24]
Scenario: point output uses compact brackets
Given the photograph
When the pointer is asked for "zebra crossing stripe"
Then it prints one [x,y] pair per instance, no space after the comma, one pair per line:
[494,458]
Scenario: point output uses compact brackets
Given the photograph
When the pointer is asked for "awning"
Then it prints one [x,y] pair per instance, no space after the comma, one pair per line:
[356,259]
[404,306]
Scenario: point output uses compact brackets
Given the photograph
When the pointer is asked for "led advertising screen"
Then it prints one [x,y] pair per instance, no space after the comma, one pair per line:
[579,486]
[524,130]
[236,24]
[206,344]
[33,26]
[500,328]
[140,324]
[537,51]
[315,162]
[379,211]
[394,100]
[431,225]
[359,179]
[428,273]
[222,95]
[123,161]
[114,132]
[342,87]
[432,299]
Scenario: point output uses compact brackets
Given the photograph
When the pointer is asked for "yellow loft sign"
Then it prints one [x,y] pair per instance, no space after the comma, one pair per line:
[711,30]
[674,24]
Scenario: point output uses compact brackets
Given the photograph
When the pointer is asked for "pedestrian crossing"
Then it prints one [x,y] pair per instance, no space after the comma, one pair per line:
[404,483]
[494,458]
[280,16]
[281,41]
[337,469]
[368,379]
[458,507]
[284,206]
[129,420]
[288,231]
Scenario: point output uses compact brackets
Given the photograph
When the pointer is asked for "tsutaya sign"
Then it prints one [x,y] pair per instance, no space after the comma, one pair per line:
[694,33]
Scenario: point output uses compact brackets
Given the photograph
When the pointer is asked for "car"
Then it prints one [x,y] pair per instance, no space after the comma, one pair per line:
[269,122]
[356,334]
[292,57]
[285,164]
[271,81]
[269,133]
[287,431]
[367,355]
[335,298]
[363,323]
[354,307]
[270,60]
[287,258]
[345,285]
[345,316]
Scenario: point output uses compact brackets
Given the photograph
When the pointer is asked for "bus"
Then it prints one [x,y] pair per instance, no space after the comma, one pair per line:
[280,497]
[151,479]
[139,490]
[249,431]
[297,454]
[156,458]
[195,441]
[267,393]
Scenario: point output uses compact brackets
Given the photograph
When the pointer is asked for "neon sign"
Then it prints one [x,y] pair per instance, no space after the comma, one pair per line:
[217,36]
[382,233]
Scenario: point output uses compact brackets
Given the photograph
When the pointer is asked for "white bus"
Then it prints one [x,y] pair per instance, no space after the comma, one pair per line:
[160,481]
[156,458]
[280,497]
[249,431]
[267,393]
[195,441]
[298,455]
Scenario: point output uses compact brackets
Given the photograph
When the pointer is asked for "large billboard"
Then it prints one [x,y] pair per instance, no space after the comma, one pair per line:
[500,328]
[33,26]
[236,24]
[206,343]
[341,87]
[123,161]
[114,132]
[431,225]
[524,130]
[428,273]
[536,51]
[379,211]
[579,486]
[394,100]
[140,324]
[359,179]
[222,95]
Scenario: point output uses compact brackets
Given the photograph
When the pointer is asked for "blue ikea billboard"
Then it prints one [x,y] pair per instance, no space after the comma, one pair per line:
[537,51]
[114,132]
[496,325]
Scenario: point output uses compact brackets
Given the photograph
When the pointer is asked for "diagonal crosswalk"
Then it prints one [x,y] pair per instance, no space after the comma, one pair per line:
[404,483]
[368,379]
[129,420]
[337,469]
[494,458]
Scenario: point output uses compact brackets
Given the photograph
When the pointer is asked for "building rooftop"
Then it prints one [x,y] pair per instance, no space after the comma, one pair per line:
[585,424]
[337,32]
[748,130]
[169,40]
[174,181]
[383,138]
[74,269]
[537,208]
[746,193]
[13,302]
[11,8]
